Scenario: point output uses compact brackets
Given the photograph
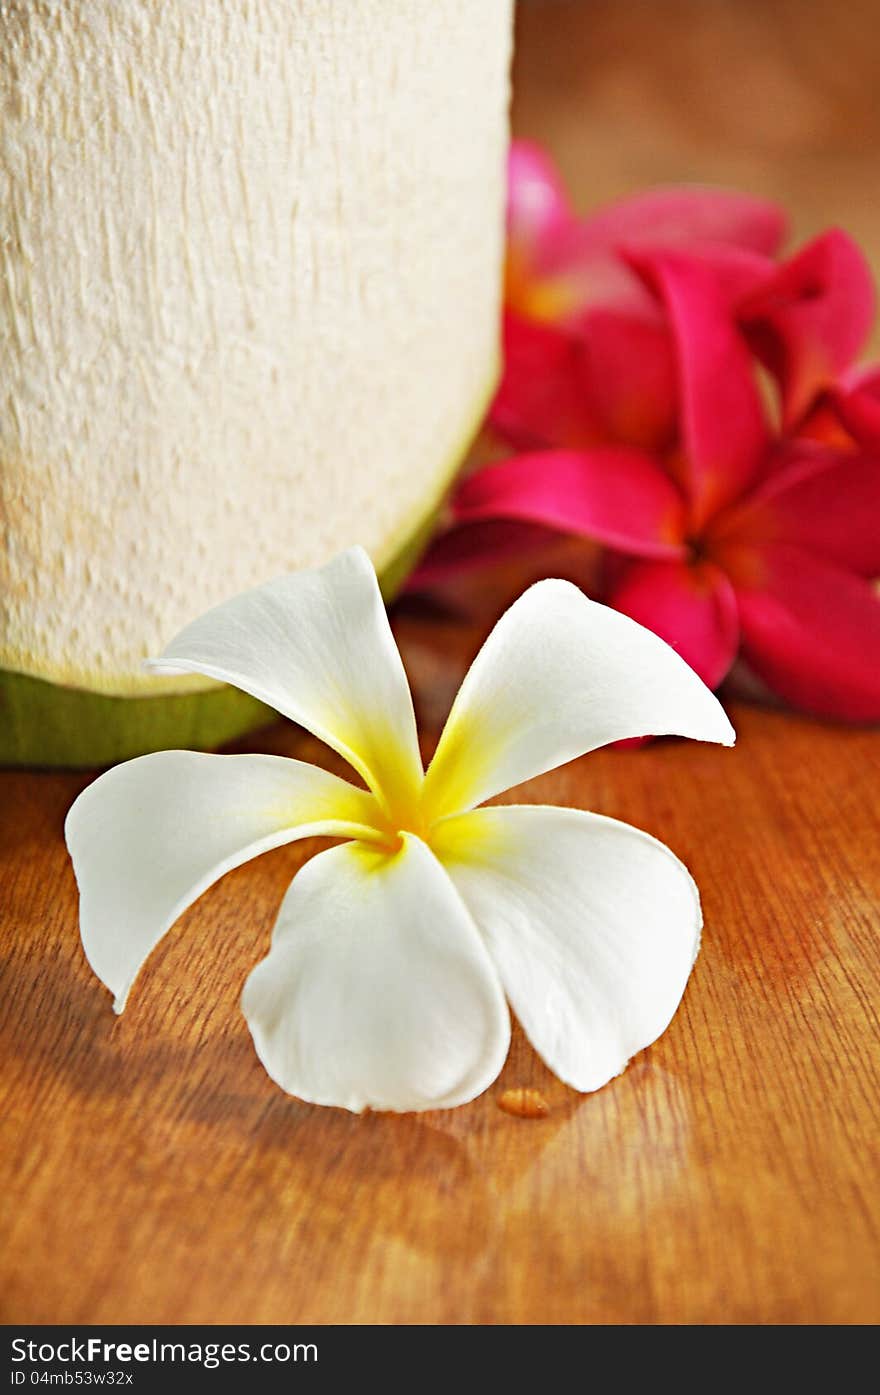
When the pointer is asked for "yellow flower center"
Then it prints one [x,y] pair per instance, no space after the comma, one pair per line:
[409,818]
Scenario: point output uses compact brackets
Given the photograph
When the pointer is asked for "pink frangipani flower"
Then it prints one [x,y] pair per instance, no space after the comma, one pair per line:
[735,540]
[632,342]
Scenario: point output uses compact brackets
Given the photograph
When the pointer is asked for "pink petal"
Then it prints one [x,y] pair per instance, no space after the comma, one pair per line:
[542,399]
[856,399]
[546,279]
[578,277]
[691,606]
[567,276]
[811,631]
[812,317]
[614,495]
[628,360]
[823,500]
[628,368]
[737,272]
[555,266]
[665,217]
[724,434]
[537,202]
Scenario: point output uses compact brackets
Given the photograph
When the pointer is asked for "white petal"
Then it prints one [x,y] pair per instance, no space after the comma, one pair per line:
[593,926]
[377,991]
[148,837]
[317,646]
[558,676]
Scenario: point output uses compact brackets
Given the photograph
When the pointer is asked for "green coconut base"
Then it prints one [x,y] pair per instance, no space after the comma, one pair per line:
[45,724]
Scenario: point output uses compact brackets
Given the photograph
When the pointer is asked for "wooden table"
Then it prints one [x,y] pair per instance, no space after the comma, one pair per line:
[151,1171]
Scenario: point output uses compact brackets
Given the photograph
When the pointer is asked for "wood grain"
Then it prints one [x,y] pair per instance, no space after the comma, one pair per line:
[151,1171]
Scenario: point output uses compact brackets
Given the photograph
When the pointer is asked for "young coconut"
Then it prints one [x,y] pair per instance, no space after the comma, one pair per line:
[250,262]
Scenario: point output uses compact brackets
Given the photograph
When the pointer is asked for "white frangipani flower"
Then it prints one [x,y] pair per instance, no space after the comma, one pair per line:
[393,953]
